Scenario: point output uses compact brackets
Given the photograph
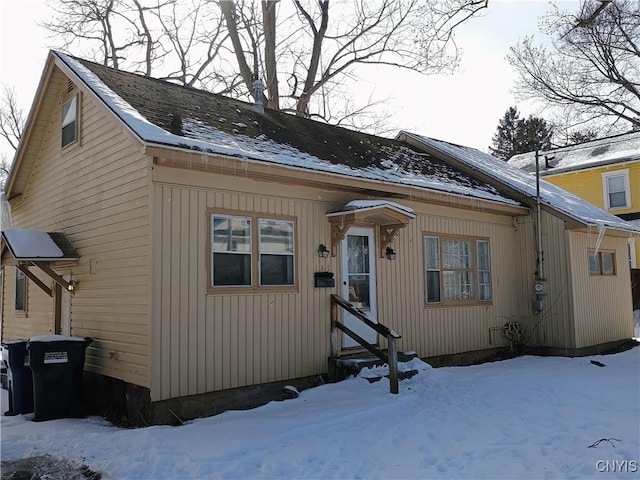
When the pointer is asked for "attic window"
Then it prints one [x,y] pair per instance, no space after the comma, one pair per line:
[70,121]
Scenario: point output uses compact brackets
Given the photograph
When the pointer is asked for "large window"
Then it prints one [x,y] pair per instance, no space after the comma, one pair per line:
[457,269]
[616,189]
[21,291]
[70,121]
[602,263]
[252,251]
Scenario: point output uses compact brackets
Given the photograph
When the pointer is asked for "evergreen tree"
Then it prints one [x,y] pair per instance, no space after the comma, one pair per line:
[516,135]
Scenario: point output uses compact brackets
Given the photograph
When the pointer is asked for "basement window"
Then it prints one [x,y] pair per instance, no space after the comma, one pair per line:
[70,121]
[602,263]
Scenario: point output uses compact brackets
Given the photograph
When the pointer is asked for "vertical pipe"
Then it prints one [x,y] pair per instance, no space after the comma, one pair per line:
[540,259]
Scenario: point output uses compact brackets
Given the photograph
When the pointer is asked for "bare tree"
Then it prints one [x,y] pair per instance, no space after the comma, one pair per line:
[591,71]
[11,118]
[305,50]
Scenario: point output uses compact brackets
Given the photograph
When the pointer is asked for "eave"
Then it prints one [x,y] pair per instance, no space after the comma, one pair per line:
[272,172]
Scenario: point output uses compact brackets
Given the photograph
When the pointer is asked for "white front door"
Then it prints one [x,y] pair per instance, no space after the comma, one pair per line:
[359,282]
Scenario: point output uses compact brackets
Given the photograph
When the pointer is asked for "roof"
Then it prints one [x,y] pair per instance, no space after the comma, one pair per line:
[36,245]
[596,153]
[164,114]
[523,183]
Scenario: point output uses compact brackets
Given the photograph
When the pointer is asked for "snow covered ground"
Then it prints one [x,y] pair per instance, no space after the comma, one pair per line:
[526,418]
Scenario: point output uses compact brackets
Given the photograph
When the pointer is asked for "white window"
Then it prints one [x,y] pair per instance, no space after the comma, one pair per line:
[231,251]
[69,121]
[616,189]
[457,270]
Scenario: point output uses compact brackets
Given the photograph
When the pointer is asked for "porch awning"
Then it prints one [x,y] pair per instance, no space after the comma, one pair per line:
[389,216]
[37,246]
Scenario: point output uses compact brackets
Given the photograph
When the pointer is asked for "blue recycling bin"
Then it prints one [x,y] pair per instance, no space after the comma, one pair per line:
[19,378]
[57,362]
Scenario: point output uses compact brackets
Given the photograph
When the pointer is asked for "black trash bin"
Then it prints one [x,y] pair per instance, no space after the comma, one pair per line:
[57,362]
[19,378]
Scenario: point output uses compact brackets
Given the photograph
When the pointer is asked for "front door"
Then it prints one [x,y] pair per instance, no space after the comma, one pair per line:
[359,282]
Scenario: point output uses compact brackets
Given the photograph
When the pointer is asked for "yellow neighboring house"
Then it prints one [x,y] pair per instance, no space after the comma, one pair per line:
[606,173]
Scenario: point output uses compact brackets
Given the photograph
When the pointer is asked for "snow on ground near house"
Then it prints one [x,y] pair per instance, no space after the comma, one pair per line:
[530,417]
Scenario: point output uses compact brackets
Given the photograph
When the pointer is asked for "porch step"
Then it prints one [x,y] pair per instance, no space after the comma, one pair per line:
[402,375]
[352,364]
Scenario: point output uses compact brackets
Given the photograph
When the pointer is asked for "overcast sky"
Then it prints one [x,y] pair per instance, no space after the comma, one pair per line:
[463,108]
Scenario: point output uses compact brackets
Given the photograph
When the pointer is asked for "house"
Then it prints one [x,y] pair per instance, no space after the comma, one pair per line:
[198,241]
[606,173]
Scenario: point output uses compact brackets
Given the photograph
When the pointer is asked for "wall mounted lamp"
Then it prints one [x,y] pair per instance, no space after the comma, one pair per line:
[390,253]
[323,252]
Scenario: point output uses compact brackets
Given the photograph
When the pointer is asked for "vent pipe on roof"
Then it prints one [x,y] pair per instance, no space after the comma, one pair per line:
[5,213]
[258,89]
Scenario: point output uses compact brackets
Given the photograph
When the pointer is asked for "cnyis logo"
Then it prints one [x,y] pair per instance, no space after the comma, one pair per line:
[628,466]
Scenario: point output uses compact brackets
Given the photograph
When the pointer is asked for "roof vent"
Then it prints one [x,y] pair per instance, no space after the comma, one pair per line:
[258,89]
[70,85]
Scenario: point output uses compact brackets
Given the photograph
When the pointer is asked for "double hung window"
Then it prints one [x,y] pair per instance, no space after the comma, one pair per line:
[457,269]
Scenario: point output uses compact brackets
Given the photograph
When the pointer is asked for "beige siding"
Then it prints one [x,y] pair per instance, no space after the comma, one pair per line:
[205,342]
[554,326]
[97,192]
[602,304]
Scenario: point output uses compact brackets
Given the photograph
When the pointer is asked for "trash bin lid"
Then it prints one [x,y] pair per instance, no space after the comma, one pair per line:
[56,338]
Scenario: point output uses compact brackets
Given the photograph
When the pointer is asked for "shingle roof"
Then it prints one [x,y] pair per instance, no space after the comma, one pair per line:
[604,151]
[164,113]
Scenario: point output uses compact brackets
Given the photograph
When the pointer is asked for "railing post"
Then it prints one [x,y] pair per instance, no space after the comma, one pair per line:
[393,364]
[335,344]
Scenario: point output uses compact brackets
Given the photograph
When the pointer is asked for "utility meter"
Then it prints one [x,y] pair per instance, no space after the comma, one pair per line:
[540,286]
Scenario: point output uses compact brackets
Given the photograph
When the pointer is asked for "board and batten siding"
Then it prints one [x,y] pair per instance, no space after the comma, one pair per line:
[602,303]
[554,327]
[209,342]
[97,193]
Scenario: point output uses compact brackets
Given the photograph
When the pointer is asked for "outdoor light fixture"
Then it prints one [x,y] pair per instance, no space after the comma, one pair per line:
[390,254]
[322,251]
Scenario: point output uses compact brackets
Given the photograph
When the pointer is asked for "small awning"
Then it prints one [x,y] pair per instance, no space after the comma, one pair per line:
[35,245]
[389,216]
[40,249]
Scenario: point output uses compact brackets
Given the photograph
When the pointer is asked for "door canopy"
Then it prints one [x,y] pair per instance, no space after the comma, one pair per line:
[388,216]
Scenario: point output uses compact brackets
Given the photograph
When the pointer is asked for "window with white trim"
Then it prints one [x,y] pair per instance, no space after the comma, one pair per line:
[617,193]
[21,291]
[457,269]
[252,251]
[602,263]
[69,121]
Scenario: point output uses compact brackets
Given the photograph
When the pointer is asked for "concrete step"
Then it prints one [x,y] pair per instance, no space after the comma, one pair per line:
[352,364]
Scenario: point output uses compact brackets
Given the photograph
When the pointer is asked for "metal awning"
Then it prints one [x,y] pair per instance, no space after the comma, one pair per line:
[41,249]
[389,216]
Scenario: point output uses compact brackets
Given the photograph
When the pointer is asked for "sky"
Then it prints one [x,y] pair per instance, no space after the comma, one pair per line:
[524,418]
[463,108]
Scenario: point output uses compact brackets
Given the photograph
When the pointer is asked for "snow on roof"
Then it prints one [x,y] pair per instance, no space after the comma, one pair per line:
[525,183]
[25,243]
[604,151]
[353,154]
[363,205]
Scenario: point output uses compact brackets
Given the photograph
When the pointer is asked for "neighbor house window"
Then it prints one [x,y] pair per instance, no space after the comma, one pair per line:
[70,121]
[251,252]
[616,189]
[21,291]
[457,270]
[602,263]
